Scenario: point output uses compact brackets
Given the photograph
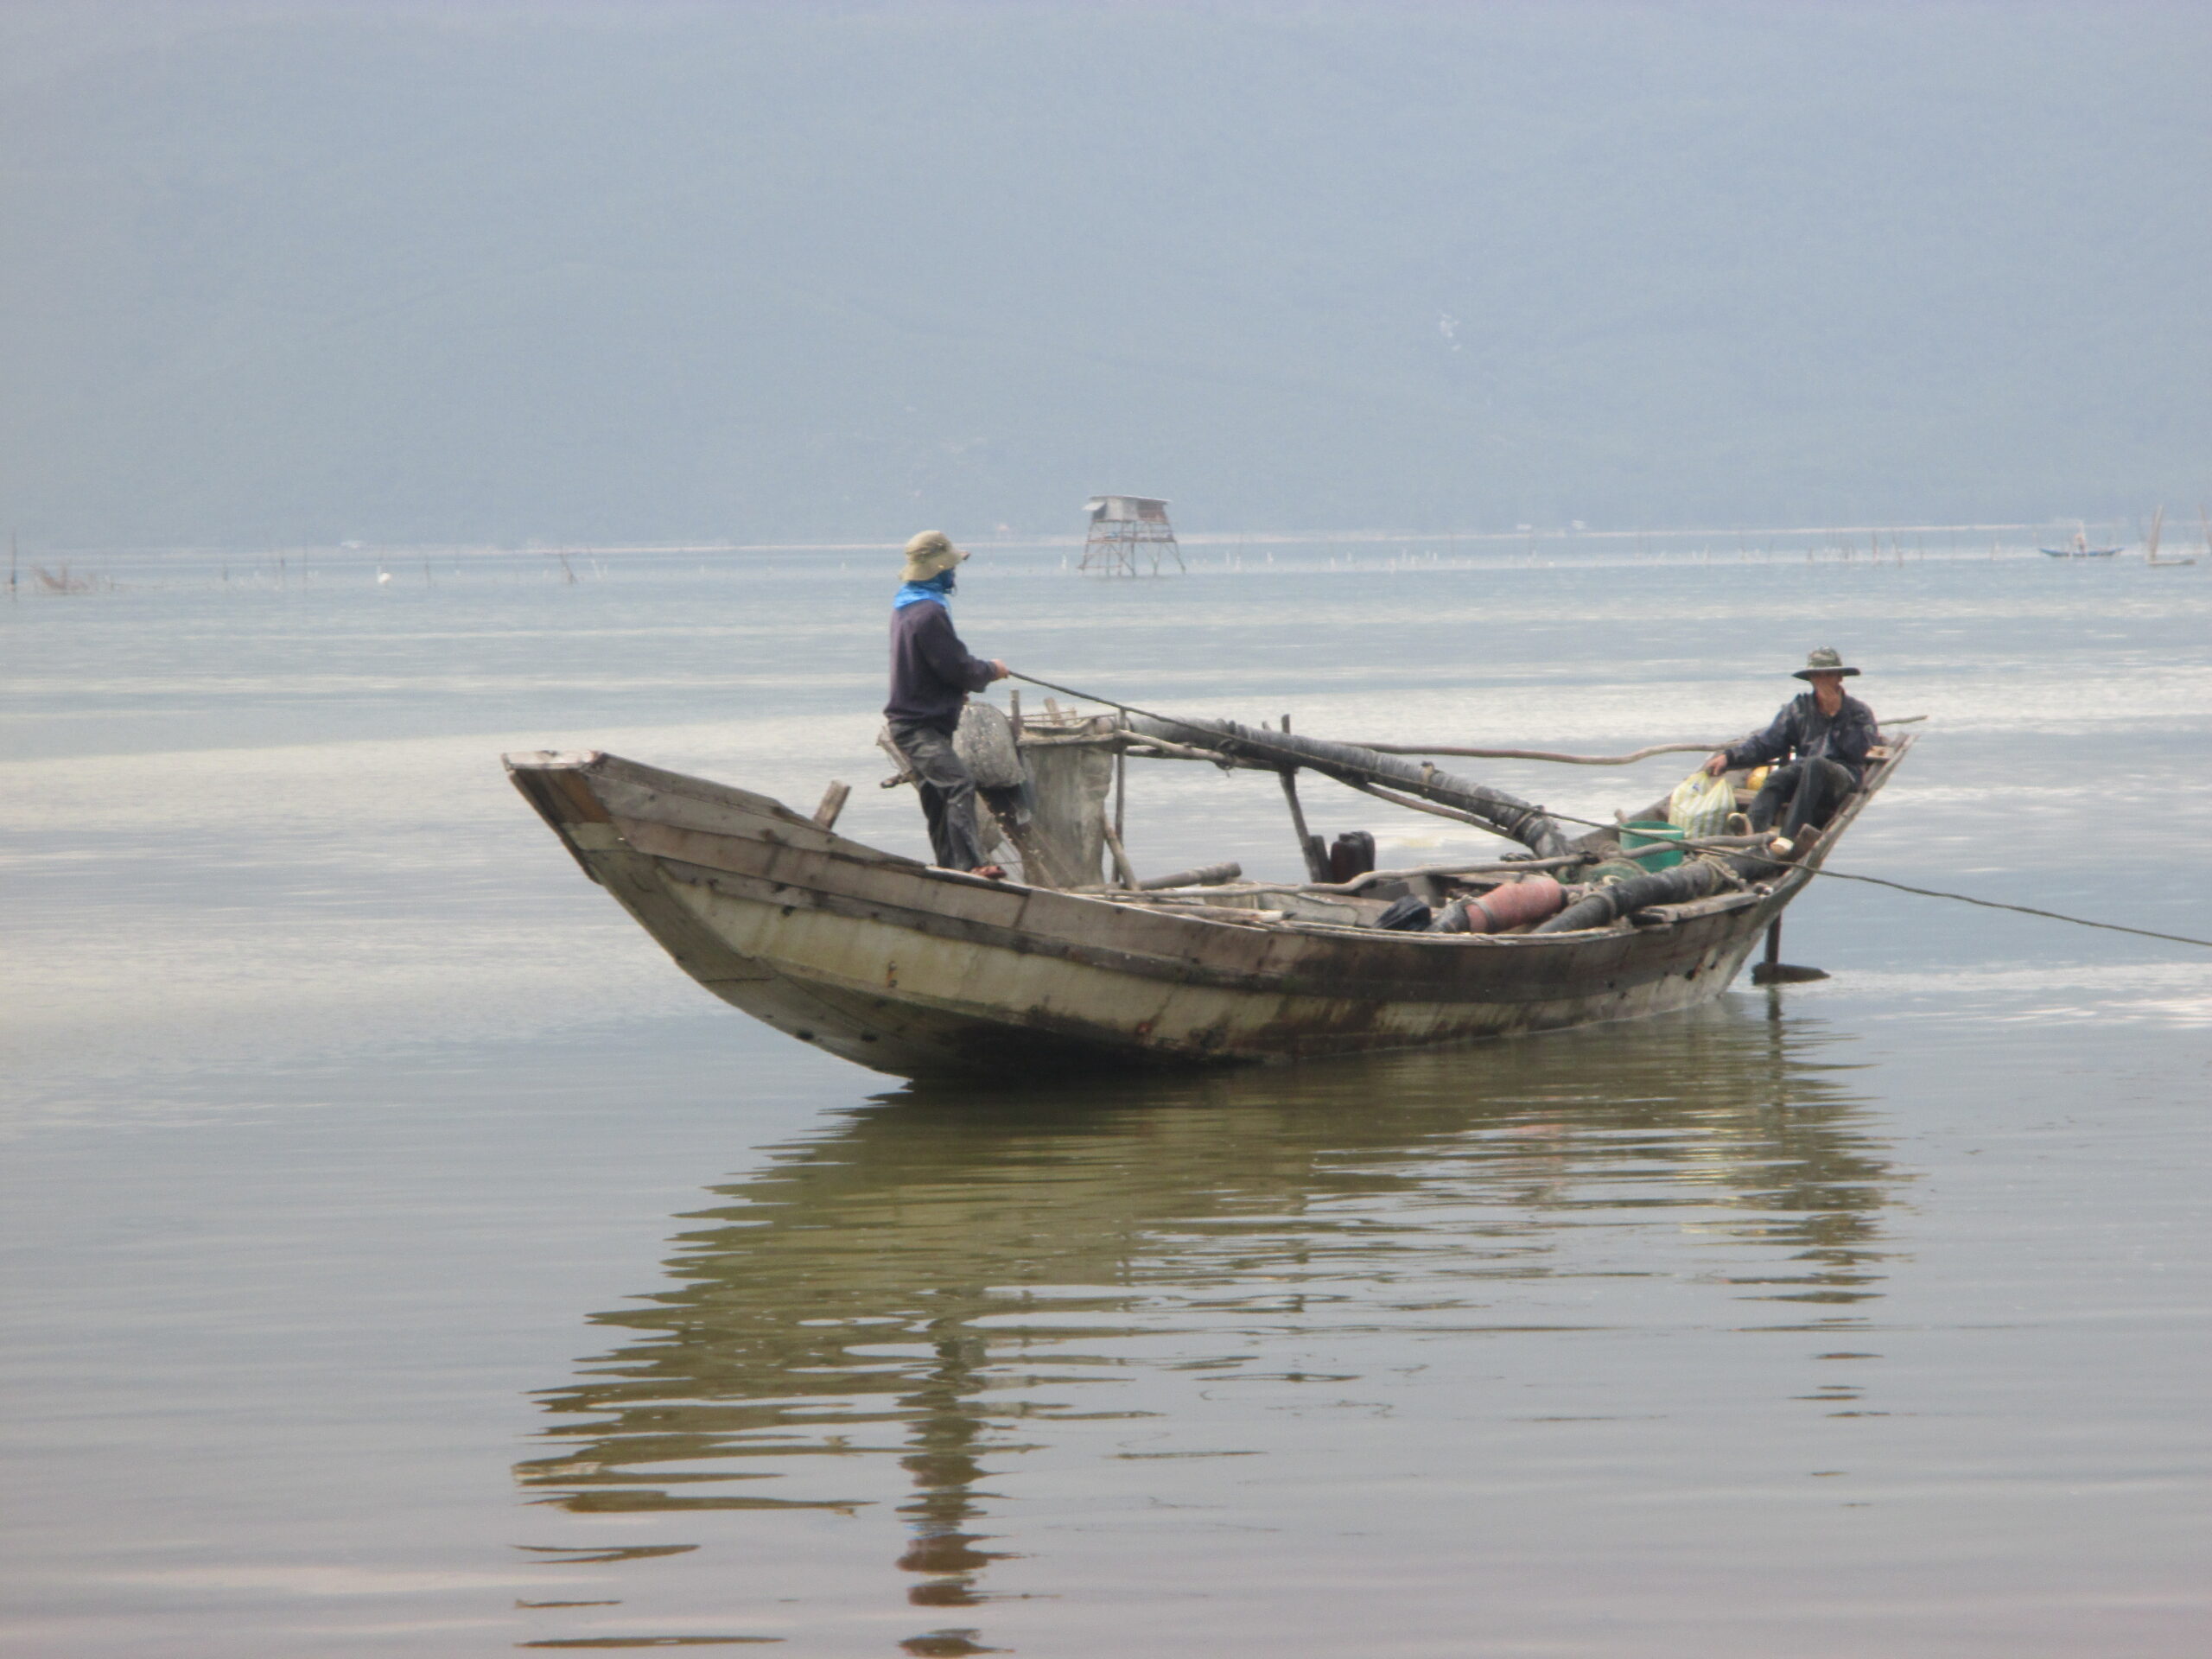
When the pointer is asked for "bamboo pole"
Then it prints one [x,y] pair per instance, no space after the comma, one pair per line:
[1543,755]
[1521,820]
[1121,858]
[1411,804]
[1206,876]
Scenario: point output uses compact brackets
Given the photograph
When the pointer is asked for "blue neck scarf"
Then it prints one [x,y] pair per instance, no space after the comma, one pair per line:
[938,588]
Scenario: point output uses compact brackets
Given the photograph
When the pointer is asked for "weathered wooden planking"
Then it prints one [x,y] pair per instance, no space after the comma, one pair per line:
[964,986]
[1126,983]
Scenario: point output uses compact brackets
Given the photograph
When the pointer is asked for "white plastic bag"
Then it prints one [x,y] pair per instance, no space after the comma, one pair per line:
[1700,805]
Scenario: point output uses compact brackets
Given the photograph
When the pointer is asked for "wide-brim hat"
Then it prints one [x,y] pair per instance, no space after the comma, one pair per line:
[1826,660]
[931,553]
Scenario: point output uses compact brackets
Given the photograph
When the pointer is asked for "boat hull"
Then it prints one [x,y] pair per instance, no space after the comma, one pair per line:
[917,971]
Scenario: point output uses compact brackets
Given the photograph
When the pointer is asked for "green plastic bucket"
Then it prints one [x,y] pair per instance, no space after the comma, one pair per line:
[1649,841]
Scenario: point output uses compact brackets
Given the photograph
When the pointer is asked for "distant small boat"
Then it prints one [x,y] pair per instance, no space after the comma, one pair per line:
[2080,552]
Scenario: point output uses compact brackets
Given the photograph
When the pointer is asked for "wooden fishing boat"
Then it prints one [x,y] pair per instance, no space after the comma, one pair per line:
[919,971]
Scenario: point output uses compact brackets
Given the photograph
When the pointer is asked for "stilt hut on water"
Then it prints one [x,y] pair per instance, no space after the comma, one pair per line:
[1125,529]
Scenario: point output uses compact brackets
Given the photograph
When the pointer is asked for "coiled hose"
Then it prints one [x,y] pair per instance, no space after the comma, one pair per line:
[1696,880]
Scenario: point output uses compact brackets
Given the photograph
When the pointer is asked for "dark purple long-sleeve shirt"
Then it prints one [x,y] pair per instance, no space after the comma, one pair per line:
[931,672]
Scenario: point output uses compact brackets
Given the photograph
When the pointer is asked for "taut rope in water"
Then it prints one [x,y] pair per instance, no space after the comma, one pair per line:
[2025,910]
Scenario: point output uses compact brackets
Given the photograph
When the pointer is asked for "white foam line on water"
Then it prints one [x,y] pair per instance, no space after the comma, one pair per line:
[393,781]
[209,687]
[2174,994]
[334,1579]
[308,899]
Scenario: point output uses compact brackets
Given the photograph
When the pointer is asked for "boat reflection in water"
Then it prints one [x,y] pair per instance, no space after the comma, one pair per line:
[944,1283]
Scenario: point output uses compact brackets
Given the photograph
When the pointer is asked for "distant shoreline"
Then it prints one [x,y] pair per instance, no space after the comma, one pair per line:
[1745,535]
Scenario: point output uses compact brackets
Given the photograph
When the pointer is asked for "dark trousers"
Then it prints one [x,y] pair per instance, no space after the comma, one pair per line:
[1814,789]
[948,792]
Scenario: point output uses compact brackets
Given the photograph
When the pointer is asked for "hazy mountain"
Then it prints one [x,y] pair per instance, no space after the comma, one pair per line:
[309,272]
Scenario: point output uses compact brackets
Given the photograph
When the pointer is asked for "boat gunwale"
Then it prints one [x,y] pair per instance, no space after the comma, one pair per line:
[837,849]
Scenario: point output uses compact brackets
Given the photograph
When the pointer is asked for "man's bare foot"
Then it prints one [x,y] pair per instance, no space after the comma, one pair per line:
[989,871]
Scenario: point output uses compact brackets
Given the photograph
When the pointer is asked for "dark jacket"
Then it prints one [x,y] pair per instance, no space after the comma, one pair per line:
[931,672]
[1802,731]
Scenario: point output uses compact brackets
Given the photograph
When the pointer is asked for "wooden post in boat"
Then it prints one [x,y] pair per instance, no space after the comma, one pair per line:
[1120,789]
[1309,845]
[833,803]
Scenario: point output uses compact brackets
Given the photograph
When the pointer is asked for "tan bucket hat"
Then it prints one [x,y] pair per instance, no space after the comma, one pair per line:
[929,553]
[1826,660]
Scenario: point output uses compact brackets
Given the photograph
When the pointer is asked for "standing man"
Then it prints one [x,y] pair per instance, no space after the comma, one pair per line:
[1828,733]
[931,675]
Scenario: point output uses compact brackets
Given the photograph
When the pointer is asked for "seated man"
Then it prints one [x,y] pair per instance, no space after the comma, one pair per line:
[1823,736]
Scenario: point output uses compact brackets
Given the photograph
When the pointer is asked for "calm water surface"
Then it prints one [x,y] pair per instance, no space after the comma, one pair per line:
[400,1254]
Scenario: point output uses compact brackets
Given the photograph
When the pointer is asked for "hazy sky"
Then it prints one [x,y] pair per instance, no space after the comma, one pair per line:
[311,273]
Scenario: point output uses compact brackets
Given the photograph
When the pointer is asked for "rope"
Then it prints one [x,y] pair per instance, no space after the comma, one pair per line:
[1839,876]
[1090,696]
[2025,910]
